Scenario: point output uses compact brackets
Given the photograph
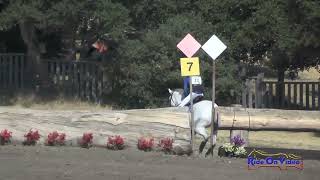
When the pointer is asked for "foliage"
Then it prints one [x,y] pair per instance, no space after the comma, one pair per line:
[145,144]
[115,143]
[5,137]
[31,138]
[283,35]
[55,138]
[86,140]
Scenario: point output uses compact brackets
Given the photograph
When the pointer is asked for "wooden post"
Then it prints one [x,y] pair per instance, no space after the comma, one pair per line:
[250,93]
[307,96]
[259,91]
[295,95]
[244,95]
[192,121]
[301,95]
[289,96]
[318,96]
[313,96]
[270,89]
[214,122]
[16,71]
[22,71]
[11,70]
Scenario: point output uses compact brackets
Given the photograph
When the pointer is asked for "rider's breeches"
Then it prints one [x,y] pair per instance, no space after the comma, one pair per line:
[186,100]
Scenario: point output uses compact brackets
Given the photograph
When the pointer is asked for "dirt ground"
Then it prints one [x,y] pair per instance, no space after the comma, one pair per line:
[66,163]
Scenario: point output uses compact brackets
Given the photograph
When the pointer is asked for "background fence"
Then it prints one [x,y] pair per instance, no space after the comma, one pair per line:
[81,79]
[12,71]
[297,94]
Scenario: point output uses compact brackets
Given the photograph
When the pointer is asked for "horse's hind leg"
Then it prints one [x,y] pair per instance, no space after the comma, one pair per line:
[202,145]
[210,150]
[202,131]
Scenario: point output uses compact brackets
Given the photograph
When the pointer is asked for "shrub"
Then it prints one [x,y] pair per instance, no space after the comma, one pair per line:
[86,140]
[166,145]
[115,143]
[145,144]
[55,138]
[31,138]
[5,137]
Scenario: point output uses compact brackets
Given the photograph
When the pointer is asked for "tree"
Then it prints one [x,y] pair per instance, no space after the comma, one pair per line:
[69,20]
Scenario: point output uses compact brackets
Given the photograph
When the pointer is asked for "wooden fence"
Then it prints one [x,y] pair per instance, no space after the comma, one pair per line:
[298,94]
[12,71]
[82,79]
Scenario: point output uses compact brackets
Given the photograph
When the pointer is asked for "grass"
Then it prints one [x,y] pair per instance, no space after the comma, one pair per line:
[59,103]
[278,139]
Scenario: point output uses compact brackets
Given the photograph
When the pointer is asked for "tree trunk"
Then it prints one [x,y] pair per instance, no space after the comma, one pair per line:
[35,68]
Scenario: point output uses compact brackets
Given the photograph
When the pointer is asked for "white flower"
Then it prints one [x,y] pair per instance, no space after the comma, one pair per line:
[227,147]
[240,151]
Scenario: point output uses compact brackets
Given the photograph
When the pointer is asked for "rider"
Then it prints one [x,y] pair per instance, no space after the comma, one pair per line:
[197,91]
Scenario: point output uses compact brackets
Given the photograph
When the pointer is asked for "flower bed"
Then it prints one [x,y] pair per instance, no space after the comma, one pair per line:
[233,149]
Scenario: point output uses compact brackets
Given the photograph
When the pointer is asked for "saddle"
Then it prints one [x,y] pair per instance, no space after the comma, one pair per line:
[196,100]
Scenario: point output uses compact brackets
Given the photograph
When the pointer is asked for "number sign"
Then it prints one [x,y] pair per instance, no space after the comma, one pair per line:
[190,66]
[196,80]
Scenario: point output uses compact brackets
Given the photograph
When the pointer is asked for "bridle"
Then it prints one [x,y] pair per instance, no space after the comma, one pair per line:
[171,100]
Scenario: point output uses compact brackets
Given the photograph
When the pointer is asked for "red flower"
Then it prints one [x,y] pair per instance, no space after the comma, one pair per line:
[86,140]
[145,144]
[115,143]
[5,136]
[166,144]
[55,138]
[31,137]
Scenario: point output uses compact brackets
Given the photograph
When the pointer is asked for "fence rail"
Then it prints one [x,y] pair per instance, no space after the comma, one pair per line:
[297,94]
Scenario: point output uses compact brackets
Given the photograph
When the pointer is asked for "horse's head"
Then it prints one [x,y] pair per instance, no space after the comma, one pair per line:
[175,97]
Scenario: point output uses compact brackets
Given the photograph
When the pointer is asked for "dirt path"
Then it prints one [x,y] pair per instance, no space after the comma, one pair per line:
[50,163]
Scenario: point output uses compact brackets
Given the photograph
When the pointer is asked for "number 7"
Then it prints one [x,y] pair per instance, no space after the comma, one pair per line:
[190,63]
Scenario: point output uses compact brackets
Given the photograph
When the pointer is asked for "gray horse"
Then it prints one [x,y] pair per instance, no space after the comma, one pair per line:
[202,116]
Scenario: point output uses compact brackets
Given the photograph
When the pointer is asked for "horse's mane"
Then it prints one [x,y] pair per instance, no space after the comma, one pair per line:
[179,90]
